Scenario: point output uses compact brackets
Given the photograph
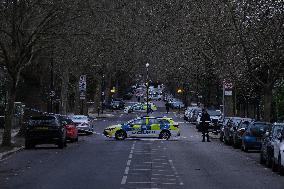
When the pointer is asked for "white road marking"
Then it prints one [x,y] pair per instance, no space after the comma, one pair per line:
[124,178]
[141,169]
[141,182]
[175,171]
[126,170]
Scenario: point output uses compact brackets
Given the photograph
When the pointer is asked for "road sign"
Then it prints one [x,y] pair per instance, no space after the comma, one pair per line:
[52,93]
[228,93]
[82,95]
[82,83]
[228,85]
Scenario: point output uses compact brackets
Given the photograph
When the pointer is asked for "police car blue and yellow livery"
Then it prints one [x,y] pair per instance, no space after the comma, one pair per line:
[157,127]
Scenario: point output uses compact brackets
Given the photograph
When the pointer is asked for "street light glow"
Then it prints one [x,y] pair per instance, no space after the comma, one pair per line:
[147,65]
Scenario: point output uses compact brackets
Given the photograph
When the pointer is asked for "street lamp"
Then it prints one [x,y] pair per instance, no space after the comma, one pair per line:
[147,87]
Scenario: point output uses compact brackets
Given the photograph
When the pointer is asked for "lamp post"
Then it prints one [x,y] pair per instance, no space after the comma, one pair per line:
[147,87]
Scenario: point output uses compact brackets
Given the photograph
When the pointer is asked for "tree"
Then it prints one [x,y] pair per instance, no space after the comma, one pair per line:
[26,28]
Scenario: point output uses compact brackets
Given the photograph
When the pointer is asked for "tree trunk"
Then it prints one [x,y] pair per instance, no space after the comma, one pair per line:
[267,103]
[9,115]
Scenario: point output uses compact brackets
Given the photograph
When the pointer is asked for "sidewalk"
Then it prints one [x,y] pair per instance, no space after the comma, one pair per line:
[17,144]
[104,115]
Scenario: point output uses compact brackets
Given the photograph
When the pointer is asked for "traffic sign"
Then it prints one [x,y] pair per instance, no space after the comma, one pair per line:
[227,85]
[228,93]
[82,83]
[52,93]
[82,95]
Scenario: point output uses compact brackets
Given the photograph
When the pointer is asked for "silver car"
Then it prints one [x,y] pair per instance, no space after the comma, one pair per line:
[83,124]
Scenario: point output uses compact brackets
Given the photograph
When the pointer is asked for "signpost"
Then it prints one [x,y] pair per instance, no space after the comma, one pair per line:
[82,89]
[227,91]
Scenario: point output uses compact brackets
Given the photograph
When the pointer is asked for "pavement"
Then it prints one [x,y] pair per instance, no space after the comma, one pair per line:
[104,163]
[17,144]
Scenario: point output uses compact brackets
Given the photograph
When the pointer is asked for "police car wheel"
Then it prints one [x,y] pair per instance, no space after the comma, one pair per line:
[165,135]
[120,135]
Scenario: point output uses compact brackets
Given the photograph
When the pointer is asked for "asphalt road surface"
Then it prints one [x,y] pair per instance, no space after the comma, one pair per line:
[97,162]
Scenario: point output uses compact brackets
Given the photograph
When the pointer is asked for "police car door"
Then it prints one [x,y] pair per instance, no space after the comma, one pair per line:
[152,128]
[135,128]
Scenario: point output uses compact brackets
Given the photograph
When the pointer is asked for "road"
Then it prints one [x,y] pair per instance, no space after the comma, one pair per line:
[103,163]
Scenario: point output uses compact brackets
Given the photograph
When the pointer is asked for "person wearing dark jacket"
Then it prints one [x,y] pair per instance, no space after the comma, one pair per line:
[167,107]
[205,120]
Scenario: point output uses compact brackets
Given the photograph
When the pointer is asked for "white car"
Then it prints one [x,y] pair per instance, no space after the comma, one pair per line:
[278,159]
[83,124]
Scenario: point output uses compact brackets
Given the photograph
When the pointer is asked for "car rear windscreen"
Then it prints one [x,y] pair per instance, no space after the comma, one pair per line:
[214,113]
[43,121]
[259,129]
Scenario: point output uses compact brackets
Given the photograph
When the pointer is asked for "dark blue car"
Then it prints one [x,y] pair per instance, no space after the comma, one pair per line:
[252,138]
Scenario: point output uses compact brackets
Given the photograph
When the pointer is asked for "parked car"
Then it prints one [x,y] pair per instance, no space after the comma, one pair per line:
[140,107]
[223,125]
[83,124]
[267,147]
[71,129]
[194,114]
[252,137]
[117,104]
[215,116]
[229,129]
[191,113]
[239,130]
[46,129]
[278,154]
[177,105]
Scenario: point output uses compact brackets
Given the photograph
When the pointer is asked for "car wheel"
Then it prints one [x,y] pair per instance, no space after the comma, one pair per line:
[244,147]
[235,145]
[61,144]
[274,165]
[280,166]
[165,135]
[261,159]
[226,141]
[120,135]
[268,161]
[221,138]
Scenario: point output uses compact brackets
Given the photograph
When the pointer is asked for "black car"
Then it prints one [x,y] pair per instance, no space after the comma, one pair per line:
[238,132]
[47,129]
[229,129]
[266,152]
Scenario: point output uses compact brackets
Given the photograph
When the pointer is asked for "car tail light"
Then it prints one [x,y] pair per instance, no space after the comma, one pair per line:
[69,127]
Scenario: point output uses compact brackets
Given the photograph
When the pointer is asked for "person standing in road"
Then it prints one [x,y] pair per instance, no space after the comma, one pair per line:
[167,107]
[205,120]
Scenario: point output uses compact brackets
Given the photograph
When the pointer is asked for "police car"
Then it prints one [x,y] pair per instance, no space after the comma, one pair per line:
[140,107]
[153,127]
